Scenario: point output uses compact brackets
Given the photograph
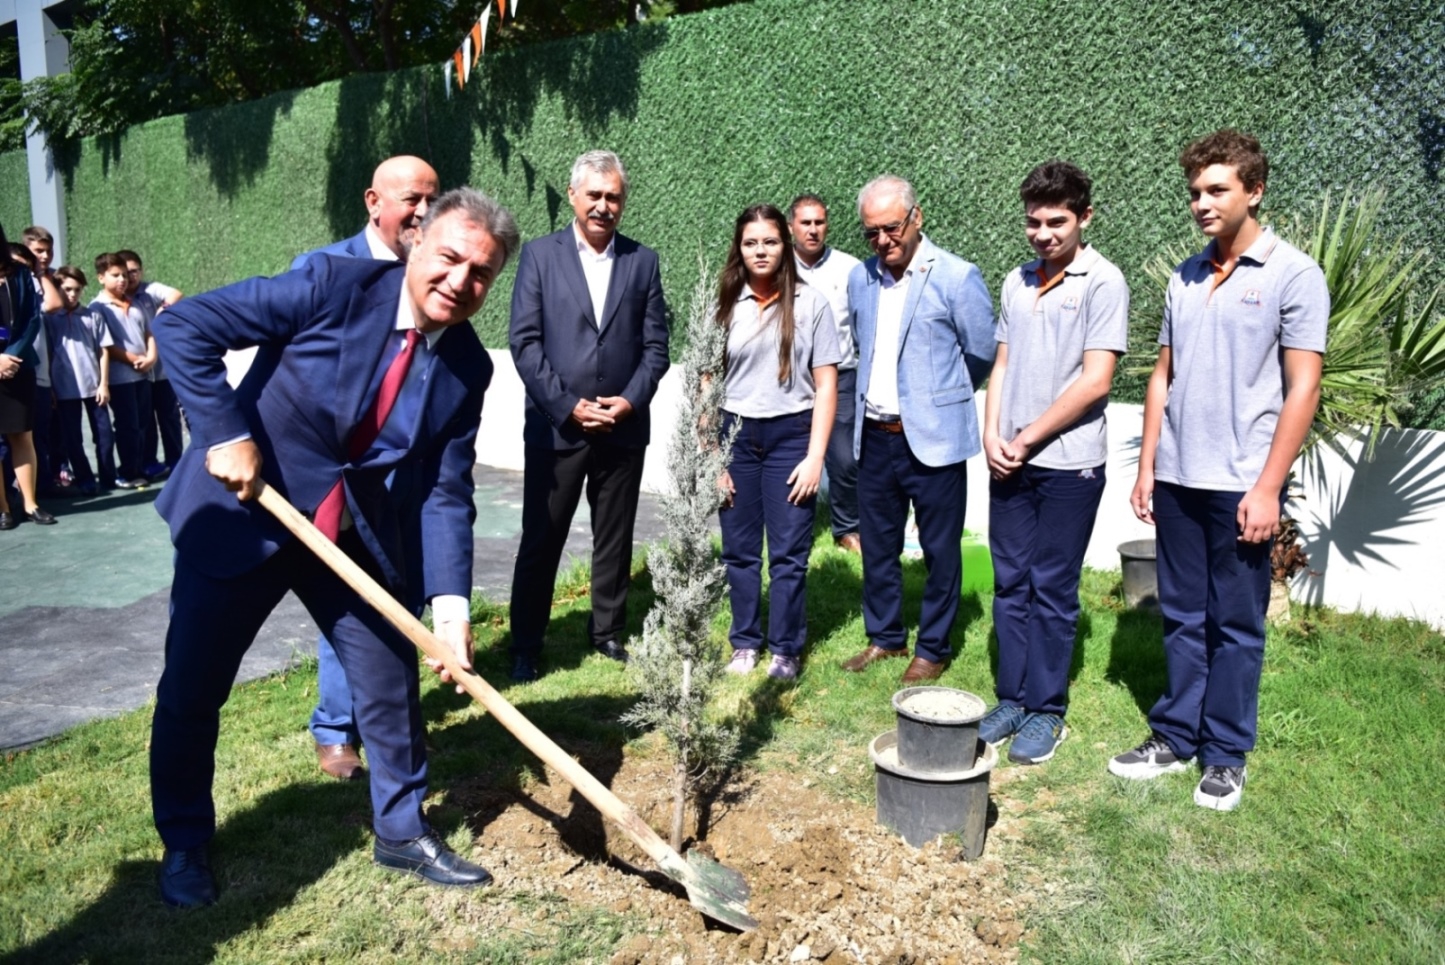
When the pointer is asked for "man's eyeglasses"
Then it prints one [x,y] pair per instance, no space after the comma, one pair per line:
[891,230]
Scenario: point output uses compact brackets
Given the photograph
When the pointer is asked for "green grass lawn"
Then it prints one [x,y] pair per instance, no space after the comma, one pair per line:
[1336,854]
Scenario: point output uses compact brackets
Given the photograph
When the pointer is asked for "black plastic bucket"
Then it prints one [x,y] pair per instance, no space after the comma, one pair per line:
[937,728]
[1141,574]
[920,807]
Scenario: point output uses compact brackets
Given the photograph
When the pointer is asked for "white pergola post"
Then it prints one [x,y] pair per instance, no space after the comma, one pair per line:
[44,52]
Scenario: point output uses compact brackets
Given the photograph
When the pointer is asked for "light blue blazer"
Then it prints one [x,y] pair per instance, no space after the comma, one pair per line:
[945,348]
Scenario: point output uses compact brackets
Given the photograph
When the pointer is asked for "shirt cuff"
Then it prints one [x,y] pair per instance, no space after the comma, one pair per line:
[229,442]
[450,608]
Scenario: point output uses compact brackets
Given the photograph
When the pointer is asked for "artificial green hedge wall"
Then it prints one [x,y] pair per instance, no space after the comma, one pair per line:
[759,101]
[14,193]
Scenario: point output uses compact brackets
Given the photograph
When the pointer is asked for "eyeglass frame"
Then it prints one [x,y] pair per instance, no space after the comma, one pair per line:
[891,230]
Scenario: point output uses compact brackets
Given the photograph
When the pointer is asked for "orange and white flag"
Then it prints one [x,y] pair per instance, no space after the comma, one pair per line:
[461,75]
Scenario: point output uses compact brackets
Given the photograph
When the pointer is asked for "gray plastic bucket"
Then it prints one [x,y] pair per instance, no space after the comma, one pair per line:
[943,737]
[1141,574]
[920,807]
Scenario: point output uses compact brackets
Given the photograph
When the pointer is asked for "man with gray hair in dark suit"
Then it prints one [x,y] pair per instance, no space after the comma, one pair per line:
[589,338]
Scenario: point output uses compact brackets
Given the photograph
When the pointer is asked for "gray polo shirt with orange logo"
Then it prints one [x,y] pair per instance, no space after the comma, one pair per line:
[1048,327]
[1227,337]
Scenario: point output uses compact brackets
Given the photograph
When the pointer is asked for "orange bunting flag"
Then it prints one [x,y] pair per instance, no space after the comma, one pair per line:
[461,75]
[476,39]
[502,9]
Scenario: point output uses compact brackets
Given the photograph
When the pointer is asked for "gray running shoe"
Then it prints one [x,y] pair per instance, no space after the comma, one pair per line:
[1147,761]
[1220,788]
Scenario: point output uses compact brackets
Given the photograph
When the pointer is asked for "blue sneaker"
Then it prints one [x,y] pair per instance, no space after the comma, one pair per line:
[1001,723]
[1038,738]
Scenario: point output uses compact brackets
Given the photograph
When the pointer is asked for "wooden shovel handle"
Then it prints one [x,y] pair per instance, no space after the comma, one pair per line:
[611,806]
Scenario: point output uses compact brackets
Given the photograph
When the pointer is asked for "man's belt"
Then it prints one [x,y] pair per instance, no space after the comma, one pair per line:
[894,425]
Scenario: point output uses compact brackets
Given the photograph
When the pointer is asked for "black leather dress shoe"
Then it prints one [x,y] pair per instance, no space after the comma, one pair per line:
[612,650]
[40,516]
[186,880]
[7,521]
[429,857]
[524,668]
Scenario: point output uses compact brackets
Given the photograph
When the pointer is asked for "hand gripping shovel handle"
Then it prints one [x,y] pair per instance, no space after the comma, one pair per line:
[711,890]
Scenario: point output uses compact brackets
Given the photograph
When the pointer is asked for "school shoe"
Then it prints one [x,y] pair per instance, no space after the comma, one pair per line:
[7,521]
[1147,761]
[1001,723]
[1037,739]
[783,667]
[428,857]
[743,661]
[40,517]
[131,483]
[186,879]
[1220,788]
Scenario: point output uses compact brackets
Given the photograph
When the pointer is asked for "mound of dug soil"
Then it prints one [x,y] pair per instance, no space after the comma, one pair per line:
[828,884]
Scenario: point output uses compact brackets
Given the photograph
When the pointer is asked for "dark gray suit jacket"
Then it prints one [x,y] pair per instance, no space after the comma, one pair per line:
[564,353]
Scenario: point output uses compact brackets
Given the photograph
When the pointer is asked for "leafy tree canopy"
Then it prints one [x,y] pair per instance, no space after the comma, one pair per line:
[134,60]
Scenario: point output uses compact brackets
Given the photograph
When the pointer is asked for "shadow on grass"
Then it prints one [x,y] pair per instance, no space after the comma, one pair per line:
[262,857]
[1136,656]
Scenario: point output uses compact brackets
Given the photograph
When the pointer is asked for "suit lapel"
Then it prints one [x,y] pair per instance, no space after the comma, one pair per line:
[370,321]
[574,281]
[622,267]
[922,273]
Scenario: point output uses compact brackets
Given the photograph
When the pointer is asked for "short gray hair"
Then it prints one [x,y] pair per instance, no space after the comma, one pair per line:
[600,162]
[482,211]
[888,184]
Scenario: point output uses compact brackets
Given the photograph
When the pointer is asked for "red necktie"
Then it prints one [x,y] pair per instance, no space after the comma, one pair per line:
[328,514]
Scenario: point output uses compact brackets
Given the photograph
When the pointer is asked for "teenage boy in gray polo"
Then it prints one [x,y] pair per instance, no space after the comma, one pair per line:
[1063,323]
[1228,407]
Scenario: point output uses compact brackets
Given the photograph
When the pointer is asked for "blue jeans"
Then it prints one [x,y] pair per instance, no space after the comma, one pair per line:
[764,455]
[889,478]
[842,467]
[1213,592]
[1040,521]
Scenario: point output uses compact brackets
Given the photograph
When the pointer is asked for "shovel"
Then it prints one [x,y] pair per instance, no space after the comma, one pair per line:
[716,891]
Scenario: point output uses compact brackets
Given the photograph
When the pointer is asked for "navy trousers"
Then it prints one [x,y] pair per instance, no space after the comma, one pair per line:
[842,467]
[552,485]
[889,478]
[163,432]
[1040,521]
[213,622]
[130,402]
[1213,593]
[47,458]
[72,438]
[764,455]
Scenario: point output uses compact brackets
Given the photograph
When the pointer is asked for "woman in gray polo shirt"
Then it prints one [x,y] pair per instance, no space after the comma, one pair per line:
[781,380]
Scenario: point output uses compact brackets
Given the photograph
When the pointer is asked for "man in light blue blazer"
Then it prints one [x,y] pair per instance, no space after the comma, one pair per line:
[924,321]
[402,188]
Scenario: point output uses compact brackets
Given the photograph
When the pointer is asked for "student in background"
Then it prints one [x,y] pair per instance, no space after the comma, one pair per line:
[163,430]
[132,356]
[80,376]
[1063,323]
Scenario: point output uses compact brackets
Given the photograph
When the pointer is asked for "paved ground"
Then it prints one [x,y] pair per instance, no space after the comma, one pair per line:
[83,603]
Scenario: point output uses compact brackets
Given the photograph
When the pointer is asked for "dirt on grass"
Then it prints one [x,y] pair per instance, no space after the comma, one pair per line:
[828,883]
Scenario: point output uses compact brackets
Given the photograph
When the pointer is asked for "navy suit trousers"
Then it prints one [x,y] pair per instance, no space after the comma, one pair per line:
[889,478]
[214,621]
[1213,592]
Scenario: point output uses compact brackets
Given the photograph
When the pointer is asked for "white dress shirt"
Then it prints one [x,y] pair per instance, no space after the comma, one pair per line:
[881,402]
[379,249]
[596,268]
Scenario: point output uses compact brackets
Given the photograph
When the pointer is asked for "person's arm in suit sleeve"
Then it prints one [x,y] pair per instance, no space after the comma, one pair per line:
[26,327]
[541,381]
[972,314]
[195,334]
[643,384]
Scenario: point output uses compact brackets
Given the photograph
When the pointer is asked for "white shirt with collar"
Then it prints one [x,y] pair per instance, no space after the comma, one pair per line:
[380,250]
[829,277]
[881,401]
[596,268]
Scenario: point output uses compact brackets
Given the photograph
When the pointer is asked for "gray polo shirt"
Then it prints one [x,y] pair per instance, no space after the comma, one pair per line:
[76,341]
[1227,338]
[128,330]
[1048,327]
[752,387]
[829,276]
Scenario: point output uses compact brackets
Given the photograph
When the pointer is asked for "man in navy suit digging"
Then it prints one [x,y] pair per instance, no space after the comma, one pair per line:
[363,368]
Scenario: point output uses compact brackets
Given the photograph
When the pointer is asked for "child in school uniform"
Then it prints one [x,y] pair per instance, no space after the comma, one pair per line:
[80,377]
[132,357]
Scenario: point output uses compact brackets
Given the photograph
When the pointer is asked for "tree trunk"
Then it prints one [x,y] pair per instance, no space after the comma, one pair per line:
[679,767]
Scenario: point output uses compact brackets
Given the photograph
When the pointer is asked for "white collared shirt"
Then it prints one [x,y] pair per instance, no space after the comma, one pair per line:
[379,249]
[596,268]
[882,398]
[829,277]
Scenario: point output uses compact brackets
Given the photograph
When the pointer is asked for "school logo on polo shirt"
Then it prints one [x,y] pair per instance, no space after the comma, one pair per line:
[1251,297]
[1071,304]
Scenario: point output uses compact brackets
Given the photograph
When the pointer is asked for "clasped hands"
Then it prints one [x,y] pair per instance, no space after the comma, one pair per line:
[602,414]
[1004,458]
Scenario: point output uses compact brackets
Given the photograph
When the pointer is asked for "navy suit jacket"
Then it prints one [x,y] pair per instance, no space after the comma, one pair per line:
[945,349]
[565,353]
[322,334]
[353,247]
